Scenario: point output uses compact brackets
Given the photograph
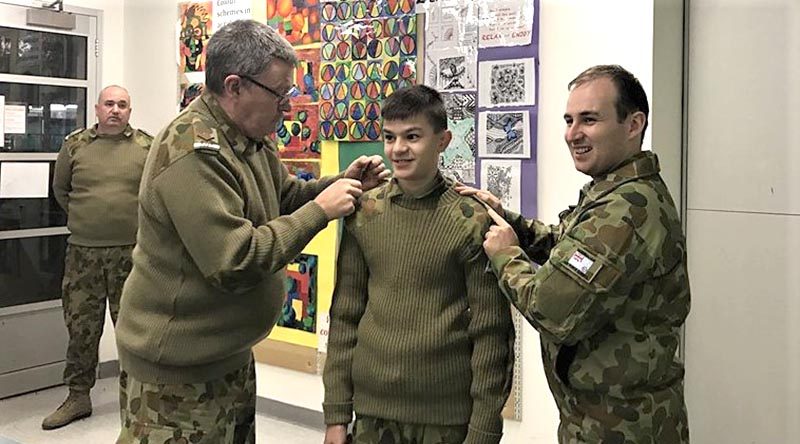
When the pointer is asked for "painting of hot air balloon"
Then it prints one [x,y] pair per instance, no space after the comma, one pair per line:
[296,20]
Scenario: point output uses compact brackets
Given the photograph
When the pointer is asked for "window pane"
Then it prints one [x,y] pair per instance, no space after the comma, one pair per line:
[37,53]
[51,112]
[20,214]
[32,269]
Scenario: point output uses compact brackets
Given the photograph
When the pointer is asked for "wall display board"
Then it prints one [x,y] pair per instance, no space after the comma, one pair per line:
[481,55]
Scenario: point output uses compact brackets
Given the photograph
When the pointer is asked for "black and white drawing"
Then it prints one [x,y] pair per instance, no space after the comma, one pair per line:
[453,73]
[458,160]
[505,134]
[510,83]
[502,178]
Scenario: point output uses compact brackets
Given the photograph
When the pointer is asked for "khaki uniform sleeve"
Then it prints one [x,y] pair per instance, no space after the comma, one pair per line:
[586,280]
[536,237]
[62,176]
[205,205]
[492,334]
[348,306]
[297,192]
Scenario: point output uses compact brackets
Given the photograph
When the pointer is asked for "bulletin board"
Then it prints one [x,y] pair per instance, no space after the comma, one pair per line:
[481,55]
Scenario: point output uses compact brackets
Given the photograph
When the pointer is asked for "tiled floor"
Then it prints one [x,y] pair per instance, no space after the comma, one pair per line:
[21,418]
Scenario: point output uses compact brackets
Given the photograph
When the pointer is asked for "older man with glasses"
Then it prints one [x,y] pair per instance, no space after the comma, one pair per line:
[219,219]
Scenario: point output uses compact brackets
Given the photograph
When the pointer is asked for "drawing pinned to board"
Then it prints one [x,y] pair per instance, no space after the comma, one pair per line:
[303,169]
[458,160]
[296,20]
[195,30]
[300,307]
[510,83]
[502,178]
[453,73]
[504,134]
[189,93]
[297,134]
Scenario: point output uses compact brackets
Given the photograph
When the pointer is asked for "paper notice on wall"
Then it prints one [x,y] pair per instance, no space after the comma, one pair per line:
[2,121]
[14,116]
[19,180]
[226,11]
[323,327]
[505,23]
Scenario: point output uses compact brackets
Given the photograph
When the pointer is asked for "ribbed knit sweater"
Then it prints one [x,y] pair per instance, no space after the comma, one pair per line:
[420,332]
[219,219]
[96,181]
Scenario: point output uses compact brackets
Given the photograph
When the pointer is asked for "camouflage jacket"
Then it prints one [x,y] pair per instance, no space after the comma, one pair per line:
[608,300]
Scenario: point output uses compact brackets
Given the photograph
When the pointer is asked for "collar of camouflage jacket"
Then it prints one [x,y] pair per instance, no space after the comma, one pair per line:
[642,164]
[240,143]
[394,190]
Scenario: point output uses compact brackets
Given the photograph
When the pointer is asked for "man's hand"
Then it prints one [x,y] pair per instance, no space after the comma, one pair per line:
[485,196]
[339,199]
[336,434]
[499,236]
[370,171]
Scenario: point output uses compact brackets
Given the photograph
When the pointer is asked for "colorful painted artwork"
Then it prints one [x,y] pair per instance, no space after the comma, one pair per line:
[306,76]
[195,30]
[296,20]
[189,93]
[303,169]
[369,50]
[300,307]
[298,135]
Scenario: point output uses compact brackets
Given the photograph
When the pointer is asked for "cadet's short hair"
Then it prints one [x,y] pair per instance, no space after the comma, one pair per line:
[412,101]
[243,47]
[630,94]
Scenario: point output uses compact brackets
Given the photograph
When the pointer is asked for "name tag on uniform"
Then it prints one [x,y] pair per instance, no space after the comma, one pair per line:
[580,263]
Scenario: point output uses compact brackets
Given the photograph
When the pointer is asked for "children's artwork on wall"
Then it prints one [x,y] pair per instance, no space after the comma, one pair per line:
[504,134]
[302,169]
[300,307]
[451,44]
[369,50]
[506,23]
[189,93]
[458,160]
[508,83]
[306,76]
[501,178]
[296,20]
[195,31]
[297,136]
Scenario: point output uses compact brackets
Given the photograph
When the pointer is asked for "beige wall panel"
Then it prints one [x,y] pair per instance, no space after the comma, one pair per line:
[743,333]
[744,105]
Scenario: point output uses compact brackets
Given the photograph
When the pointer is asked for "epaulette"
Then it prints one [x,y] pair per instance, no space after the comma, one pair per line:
[74,133]
[143,138]
[206,140]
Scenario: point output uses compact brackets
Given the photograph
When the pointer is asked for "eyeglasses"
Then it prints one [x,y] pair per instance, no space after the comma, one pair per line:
[282,98]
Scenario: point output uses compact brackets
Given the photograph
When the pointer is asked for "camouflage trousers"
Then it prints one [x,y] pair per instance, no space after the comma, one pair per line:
[368,430]
[216,412]
[92,276]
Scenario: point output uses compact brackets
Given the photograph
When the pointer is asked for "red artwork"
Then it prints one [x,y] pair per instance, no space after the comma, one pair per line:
[298,137]
[195,21]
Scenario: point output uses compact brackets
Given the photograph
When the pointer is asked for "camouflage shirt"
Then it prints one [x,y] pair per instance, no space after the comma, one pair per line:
[608,300]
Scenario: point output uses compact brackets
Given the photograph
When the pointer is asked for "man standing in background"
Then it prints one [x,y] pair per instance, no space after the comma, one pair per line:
[96,182]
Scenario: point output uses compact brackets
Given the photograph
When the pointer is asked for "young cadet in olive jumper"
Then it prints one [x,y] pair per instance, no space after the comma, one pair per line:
[421,337]
[219,219]
[612,292]
[96,182]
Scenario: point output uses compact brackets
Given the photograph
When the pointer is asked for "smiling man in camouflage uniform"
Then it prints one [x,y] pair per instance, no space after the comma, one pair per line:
[612,291]
[96,181]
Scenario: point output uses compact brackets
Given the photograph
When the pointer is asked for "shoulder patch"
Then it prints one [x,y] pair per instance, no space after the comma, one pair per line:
[206,139]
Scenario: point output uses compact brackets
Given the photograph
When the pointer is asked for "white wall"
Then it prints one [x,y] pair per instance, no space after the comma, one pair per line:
[742,341]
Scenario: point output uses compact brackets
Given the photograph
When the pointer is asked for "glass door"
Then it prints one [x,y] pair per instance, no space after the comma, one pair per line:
[48,82]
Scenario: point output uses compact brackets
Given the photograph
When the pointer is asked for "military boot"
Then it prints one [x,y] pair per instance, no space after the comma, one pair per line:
[78,405]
